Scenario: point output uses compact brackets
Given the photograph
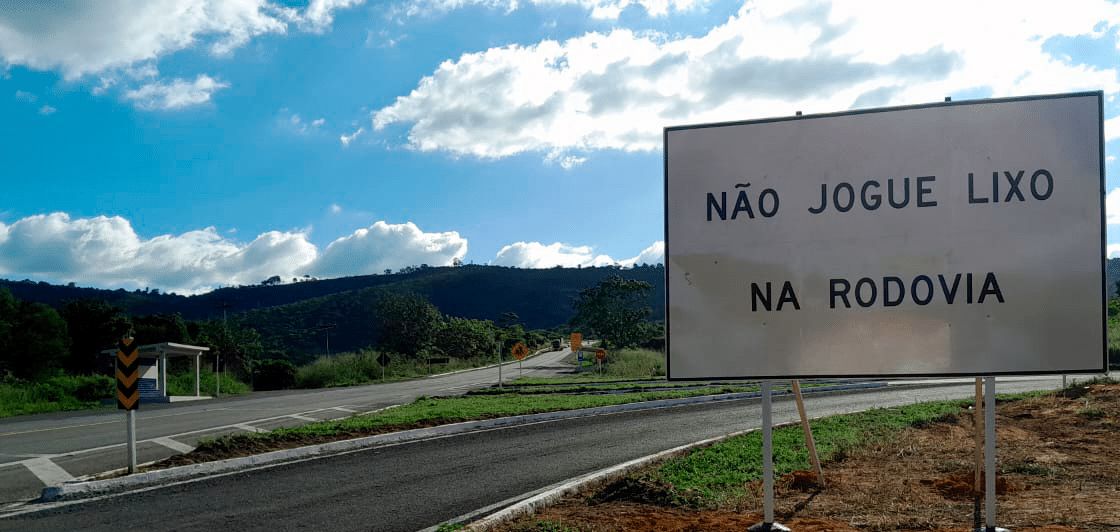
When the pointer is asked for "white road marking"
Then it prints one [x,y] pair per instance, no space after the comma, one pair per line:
[47,471]
[247,428]
[302,418]
[343,409]
[173,445]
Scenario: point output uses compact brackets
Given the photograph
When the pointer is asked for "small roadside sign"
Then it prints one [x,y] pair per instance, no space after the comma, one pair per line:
[520,351]
[383,359]
[576,340]
[600,354]
[128,375]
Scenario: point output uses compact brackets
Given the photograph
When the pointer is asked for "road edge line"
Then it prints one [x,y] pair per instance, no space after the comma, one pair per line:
[79,489]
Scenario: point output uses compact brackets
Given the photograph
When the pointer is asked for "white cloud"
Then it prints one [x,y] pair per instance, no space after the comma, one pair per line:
[335,208]
[1113,251]
[654,254]
[112,39]
[26,97]
[1112,129]
[176,94]
[600,9]
[89,37]
[47,110]
[347,139]
[319,14]
[618,90]
[384,246]
[1112,206]
[537,255]
[106,251]
[294,122]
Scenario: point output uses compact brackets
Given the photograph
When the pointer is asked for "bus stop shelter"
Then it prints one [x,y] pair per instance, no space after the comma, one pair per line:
[153,375]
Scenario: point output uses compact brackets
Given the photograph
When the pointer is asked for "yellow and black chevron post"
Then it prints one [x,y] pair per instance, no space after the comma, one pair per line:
[128,375]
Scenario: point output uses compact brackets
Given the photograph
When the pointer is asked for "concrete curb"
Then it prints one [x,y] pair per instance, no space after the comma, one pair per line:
[82,489]
[579,484]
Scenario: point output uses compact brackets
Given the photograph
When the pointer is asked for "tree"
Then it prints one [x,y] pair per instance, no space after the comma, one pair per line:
[159,328]
[33,338]
[239,347]
[407,322]
[466,338]
[510,331]
[93,325]
[615,311]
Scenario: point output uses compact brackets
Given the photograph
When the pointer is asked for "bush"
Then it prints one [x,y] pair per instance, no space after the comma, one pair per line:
[55,393]
[183,384]
[80,387]
[635,363]
[274,375]
[345,369]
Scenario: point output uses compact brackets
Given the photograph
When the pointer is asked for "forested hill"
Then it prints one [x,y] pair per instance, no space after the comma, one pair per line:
[542,298]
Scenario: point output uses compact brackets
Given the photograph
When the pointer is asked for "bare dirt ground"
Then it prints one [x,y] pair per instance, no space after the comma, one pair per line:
[1058,470]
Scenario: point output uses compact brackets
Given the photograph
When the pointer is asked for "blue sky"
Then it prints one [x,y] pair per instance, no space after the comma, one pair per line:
[190,144]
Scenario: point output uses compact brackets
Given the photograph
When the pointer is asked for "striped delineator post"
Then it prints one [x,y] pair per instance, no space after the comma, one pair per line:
[128,391]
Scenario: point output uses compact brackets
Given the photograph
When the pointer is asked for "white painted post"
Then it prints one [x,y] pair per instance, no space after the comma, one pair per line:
[767,524]
[767,455]
[163,374]
[131,420]
[198,375]
[990,451]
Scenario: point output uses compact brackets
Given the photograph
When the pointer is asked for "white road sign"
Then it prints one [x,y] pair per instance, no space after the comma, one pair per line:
[962,238]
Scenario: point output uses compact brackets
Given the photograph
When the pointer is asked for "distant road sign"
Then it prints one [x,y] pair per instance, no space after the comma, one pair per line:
[520,351]
[576,340]
[128,375]
[383,359]
[600,354]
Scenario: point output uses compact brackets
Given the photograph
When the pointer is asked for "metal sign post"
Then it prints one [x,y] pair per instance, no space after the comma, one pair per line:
[990,454]
[767,523]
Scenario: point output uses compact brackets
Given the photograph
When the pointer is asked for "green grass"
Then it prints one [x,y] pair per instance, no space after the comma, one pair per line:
[354,369]
[183,384]
[54,394]
[722,470]
[623,364]
[454,409]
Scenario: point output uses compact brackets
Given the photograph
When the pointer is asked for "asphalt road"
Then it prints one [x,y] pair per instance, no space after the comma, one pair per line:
[41,450]
[411,486]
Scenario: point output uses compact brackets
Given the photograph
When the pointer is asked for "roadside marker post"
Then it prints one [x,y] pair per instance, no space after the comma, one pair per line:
[519,352]
[383,360]
[128,392]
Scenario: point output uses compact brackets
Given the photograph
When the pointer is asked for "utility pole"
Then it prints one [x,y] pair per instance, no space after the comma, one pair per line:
[326,327]
[223,304]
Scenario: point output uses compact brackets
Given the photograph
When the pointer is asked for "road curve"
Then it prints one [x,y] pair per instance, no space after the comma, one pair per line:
[412,486]
[48,449]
